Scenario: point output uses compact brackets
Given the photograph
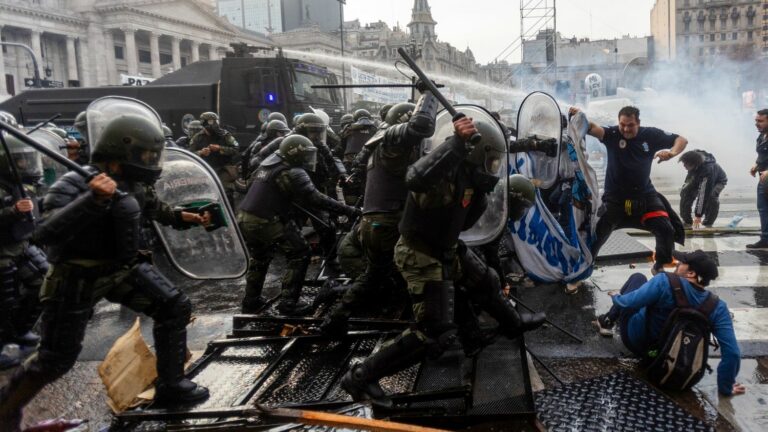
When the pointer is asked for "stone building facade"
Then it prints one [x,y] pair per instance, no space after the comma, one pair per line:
[95,42]
[706,30]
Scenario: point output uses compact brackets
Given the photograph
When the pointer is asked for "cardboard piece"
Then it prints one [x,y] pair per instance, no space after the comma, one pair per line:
[128,370]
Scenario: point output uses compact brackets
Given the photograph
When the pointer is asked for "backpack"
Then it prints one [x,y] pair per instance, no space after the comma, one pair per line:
[678,360]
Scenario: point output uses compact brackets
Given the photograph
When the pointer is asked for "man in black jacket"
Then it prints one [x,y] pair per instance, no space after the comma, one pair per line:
[703,184]
[761,167]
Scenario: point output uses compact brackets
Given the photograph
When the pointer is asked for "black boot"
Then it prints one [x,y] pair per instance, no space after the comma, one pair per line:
[253,302]
[8,362]
[171,348]
[336,324]
[293,282]
[362,381]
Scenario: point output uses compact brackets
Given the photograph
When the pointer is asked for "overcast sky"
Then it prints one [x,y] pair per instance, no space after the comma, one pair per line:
[488,26]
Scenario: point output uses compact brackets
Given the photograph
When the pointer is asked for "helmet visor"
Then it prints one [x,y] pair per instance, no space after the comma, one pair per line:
[317,133]
[493,162]
[147,158]
[103,110]
[310,159]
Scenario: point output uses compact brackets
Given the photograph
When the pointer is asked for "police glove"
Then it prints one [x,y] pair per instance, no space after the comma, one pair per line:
[465,129]
[353,212]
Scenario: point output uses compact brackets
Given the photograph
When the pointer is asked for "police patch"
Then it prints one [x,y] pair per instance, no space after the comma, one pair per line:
[467,197]
[622,144]
[645,147]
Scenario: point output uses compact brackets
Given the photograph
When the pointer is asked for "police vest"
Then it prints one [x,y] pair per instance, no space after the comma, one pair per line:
[385,189]
[357,139]
[264,198]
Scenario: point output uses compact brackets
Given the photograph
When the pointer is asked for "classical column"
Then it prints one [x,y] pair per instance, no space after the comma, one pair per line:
[3,89]
[131,55]
[109,50]
[71,59]
[212,52]
[195,48]
[176,52]
[96,67]
[37,49]
[154,50]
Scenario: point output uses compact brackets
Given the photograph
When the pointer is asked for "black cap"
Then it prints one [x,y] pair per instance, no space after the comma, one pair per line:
[700,262]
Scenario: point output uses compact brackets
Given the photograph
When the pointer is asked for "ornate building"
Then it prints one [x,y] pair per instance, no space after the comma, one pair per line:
[376,41]
[708,29]
[98,42]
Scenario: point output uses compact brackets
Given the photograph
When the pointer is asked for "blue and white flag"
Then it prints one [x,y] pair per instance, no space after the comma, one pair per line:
[552,250]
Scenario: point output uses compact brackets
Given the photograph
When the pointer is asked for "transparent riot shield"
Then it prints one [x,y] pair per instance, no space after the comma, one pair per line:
[52,170]
[492,222]
[539,116]
[189,183]
[106,108]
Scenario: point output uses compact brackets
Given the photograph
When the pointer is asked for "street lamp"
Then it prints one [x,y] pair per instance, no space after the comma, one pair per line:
[343,65]
[34,59]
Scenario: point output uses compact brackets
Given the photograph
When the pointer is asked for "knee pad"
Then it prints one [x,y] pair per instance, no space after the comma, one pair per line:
[169,302]
[33,266]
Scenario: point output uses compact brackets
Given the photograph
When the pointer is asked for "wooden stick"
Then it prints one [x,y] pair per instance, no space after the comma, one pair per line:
[328,419]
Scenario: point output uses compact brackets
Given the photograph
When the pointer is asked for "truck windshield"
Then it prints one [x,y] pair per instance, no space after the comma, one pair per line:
[303,90]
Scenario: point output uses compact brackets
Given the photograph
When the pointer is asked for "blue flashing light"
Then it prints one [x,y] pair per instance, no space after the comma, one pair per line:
[271,97]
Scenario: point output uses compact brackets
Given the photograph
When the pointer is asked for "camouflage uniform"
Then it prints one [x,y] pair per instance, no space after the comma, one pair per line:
[350,253]
[223,162]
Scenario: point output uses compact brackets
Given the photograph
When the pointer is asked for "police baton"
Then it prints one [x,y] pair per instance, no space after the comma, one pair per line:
[476,137]
[53,154]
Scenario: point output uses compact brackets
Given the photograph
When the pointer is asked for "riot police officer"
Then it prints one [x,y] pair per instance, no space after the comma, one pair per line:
[168,134]
[275,129]
[447,194]
[357,135]
[22,264]
[219,149]
[392,151]
[193,128]
[325,175]
[267,221]
[93,235]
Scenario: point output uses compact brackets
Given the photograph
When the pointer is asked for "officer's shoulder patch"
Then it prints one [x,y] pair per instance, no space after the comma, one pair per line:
[467,197]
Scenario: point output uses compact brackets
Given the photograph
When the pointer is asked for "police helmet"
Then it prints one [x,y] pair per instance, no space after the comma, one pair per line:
[312,126]
[522,195]
[81,124]
[275,115]
[194,127]
[384,110]
[346,120]
[136,143]
[167,132]
[59,131]
[490,151]
[26,159]
[399,113]
[276,126]
[362,113]
[209,119]
[298,151]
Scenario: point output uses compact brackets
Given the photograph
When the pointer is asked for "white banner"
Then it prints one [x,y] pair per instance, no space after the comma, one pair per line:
[381,95]
[131,80]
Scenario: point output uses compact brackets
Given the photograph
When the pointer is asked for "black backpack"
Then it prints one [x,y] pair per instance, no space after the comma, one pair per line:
[679,359]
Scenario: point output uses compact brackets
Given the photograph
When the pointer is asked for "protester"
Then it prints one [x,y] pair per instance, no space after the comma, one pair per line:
[761,167]
[642,307]
[630,200]
[703,185]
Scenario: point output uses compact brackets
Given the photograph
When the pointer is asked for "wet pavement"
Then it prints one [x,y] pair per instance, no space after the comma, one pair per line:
[743,284]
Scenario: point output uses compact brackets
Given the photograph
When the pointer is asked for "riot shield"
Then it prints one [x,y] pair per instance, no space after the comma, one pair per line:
[187,182]
[539,116]
[106,108]
[52,170]
[493,220]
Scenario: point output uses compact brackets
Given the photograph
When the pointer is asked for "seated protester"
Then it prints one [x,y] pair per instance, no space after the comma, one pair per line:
[642,307]
[703,184]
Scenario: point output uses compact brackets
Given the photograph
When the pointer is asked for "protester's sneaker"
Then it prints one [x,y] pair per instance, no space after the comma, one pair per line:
[573,288]
[761,244]
[604,325]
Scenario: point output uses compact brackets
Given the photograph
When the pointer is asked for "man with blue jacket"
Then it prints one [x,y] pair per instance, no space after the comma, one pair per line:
[642,307]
